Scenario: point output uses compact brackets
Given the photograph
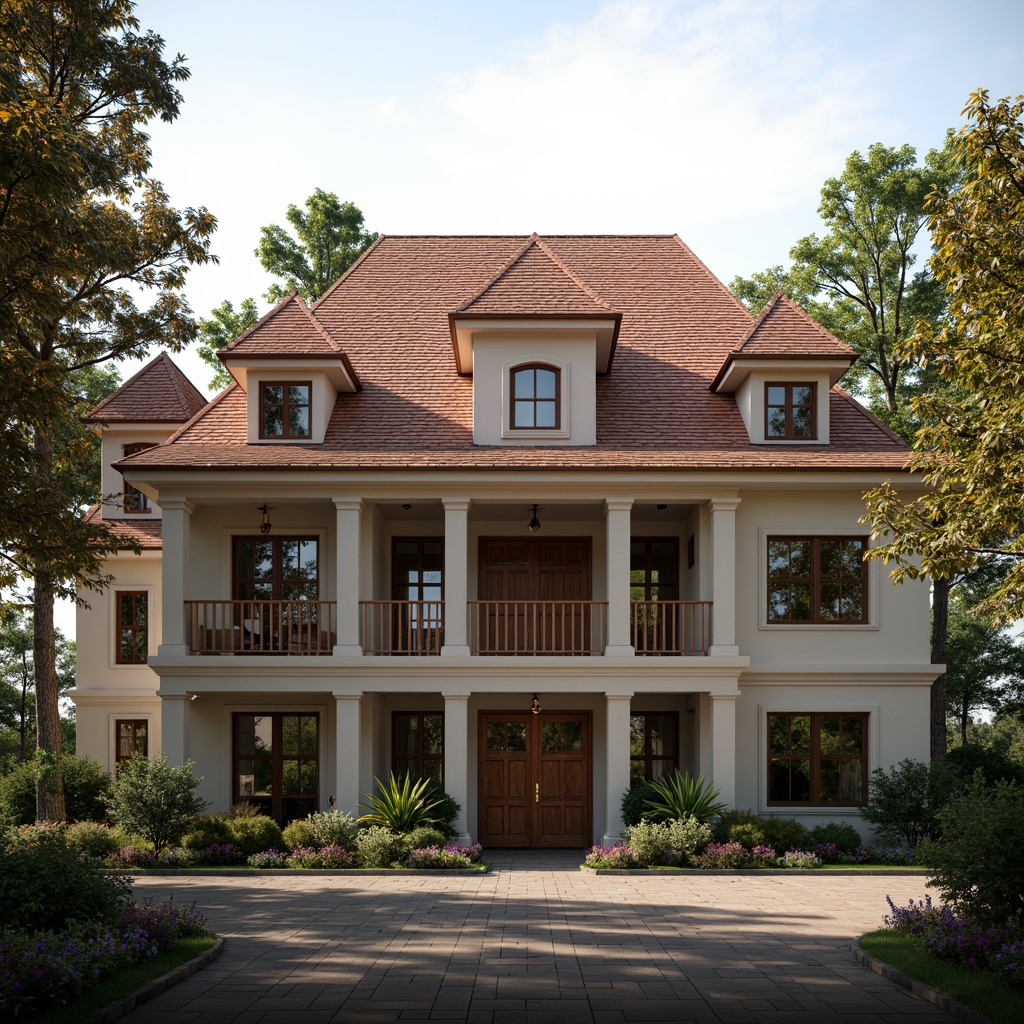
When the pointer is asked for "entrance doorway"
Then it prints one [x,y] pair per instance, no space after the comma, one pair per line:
[535,771]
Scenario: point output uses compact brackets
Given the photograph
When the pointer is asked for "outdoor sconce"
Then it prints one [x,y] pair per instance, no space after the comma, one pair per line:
[534,525]
[265,522]
[535,705]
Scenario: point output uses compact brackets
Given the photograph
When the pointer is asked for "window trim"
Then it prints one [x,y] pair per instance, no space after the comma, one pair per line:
[541,361]
[135,723]
[116,595]
[286,434]
[789,407]
[513,372]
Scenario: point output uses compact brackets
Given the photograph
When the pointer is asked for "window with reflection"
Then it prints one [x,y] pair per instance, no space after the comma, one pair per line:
[277,763]
[653,744]
[417,745]
[133,500]
[535,400]
[817,579]
[132,627]
[817,759]
[276,569]
[789,412]
[417,569]
[285,410]
[131,737]
[508,737]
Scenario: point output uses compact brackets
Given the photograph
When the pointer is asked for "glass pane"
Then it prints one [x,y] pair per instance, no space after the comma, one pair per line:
[307,777]
[510,736]
[828,734]
[662,735]
[524,414]
[545,384]
[255,734]
[800,559]
[545,414]
[800,602]
[433,734]
[406,765]
[273,394]
[524,384]
[830,559]
[298,394]
[290,778]
[140,609]
[778,559]
[802,394]
[407,734]
[141,738]
[636,773]
[829,782]
[800,781]
[560,737]
[273,421]
[852,558]
[853,735]
[802,424]
[800,734]
[776,394]
[778,780]
[262,560]
[778,734]
[852,783]
[289,735]
[778,604]
[637,738]
[776,422]
[433,769]
[298,421]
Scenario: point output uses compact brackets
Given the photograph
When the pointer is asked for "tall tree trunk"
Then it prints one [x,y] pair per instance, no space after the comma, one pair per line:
[23,719]
[940,626]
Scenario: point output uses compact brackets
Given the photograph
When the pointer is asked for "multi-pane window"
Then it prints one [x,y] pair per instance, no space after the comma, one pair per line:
[789,412]
[654,578]
[277,758]
[131,609]
[417,745]
[284,410]
[276,569]
[817,759]
[535,398]
[417,579]
[817,579]
[133,500]
[131,738]
[653,744]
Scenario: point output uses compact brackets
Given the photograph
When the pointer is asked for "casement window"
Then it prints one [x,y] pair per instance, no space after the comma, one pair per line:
[285,410]
[417,744]
[653,744]
[817,580]
[131,737]
[817,759]
[535,391]
[417,571]
[277,762]
[789,412]
[276,569]
[133,500]
[131,637]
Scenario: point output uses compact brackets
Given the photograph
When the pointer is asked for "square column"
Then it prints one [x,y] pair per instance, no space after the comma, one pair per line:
[616,764]
[723,559]
[456,577]
[347,733]
[174,569]
[174,715]
[723,746]
[456,757]
[617,523]
[348,545]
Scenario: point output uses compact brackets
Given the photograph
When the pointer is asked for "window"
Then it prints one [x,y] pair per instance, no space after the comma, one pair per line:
[277,763]
[131,738]
[535,398]
[817,579]
[817,759]
[789,412]
[417,744]
[276,569]
[417,566]
[284,410]
[131,499]
[653,569]
[131,608]
[653,744]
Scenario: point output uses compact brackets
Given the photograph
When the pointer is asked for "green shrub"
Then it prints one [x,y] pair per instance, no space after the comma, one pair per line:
[846,838]
[95,838]
[721,855]
[402,804]
[254,835]
[634,800]
[45,885]
[421,838]
[688,835]
[86,789]
[650,842]
[783,834]
[446,811]
[725,821]
[903,802]
[298,834]
[156,800]
[333,828]
[207,830]
[977,859]
[246,809]
[679,795]
[747,835]
[955,772]
[379,847]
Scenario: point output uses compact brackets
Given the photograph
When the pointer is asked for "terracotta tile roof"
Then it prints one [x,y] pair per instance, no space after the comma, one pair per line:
[289,329]
[784,329]
[158,393]
[145,531]
[654,410]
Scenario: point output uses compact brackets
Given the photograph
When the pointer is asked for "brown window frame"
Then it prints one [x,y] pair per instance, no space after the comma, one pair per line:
[120,630]
[135,727]
[671,586]
[534,400]
[789,405]
[814,581]
[277,580]
[816,758]
[647,758]
[421,758]
[131,496]
[285,407]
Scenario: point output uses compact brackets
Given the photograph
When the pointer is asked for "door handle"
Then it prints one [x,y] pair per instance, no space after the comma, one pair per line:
[536,793]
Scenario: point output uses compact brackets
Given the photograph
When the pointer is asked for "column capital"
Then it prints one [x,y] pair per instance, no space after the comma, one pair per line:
[456,504]
[618,696]
[618,504]
[723,504]
[176,505]
[339,697]
[348,504]
[455,696]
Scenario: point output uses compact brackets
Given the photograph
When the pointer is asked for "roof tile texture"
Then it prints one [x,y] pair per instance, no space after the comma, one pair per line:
[784,329]
[158,393]
[146,532]
[289,329]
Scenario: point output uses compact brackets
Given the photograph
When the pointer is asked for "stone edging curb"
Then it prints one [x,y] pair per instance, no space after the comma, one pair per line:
[295,872]
[112,1011]
[658,873]
[919,988]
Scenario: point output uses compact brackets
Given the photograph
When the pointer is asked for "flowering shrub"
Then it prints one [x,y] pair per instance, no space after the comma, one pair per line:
[617,856]
[322,857]
[379,847]
[688,836]
[898,855]
[799,859]
[762,857]
[828,853]
[217,854]
[333,828]
[721,855]
[1009,961]
[268,859]
[440,857]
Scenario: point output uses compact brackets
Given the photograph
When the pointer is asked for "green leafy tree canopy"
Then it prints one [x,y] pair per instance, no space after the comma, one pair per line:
[225,324]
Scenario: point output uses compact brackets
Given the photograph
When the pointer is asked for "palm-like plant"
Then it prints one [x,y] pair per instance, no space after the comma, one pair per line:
[679,795]
[401,804]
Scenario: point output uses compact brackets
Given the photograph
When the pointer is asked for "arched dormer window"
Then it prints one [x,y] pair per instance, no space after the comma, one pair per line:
[535,397]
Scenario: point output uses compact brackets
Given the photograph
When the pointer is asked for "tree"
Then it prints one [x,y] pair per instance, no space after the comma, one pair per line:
[330,239]
[84,231]
[970,447]
[226,325]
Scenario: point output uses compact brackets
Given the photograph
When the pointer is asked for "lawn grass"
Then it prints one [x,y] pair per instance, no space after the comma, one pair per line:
[119,985]
[980,990]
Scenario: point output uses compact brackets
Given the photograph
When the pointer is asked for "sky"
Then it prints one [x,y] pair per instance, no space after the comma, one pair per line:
[718,121]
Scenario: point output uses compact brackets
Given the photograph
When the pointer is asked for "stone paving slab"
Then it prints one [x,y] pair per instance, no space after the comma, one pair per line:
[535,941]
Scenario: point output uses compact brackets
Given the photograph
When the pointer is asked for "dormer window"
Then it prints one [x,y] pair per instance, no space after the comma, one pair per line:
[535,397]
[133,500]
[285,410]
[789,412]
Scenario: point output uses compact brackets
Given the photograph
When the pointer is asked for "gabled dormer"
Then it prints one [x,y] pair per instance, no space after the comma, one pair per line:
[142,413]
[534,339]
[782,374]
[292,371]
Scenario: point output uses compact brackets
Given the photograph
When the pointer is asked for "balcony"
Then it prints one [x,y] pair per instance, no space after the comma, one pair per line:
[537,627]
[401,627]
[261,627]
[671,627]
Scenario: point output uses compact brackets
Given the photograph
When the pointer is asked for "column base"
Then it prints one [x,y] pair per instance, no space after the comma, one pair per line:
[455,651]
[173,650]
[462,839]
[724,651]
[619,651]
[349,650]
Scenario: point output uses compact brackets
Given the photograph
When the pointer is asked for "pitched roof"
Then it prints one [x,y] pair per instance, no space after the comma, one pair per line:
[654,410]
[145,532]
[158,393]
[783,329]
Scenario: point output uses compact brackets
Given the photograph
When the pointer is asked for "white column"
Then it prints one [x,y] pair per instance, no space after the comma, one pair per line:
[456,577]
[723,747]
[176,522]
[174,716]
[704,734]
[349,520]
[616,767]
[723,557]
[347,731]
[617,523]
[456,757]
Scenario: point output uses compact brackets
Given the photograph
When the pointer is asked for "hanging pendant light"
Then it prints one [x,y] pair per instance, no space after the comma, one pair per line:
[534,525]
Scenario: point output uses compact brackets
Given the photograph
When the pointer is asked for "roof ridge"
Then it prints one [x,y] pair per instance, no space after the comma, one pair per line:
[173,375]
[758,320]
[209,407]
[715,280]
[863,409]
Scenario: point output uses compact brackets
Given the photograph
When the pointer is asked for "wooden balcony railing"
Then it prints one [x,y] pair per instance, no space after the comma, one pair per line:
[537,627]
[671,627]
[261,627]
[402,627]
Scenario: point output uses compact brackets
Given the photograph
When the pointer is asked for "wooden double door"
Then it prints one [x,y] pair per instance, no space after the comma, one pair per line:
[535,779]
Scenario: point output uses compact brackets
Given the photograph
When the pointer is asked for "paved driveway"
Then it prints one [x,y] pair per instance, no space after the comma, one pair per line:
[537,941]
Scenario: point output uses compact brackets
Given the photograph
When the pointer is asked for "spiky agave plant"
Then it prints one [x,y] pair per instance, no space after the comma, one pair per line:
[401,804]
[680,795]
